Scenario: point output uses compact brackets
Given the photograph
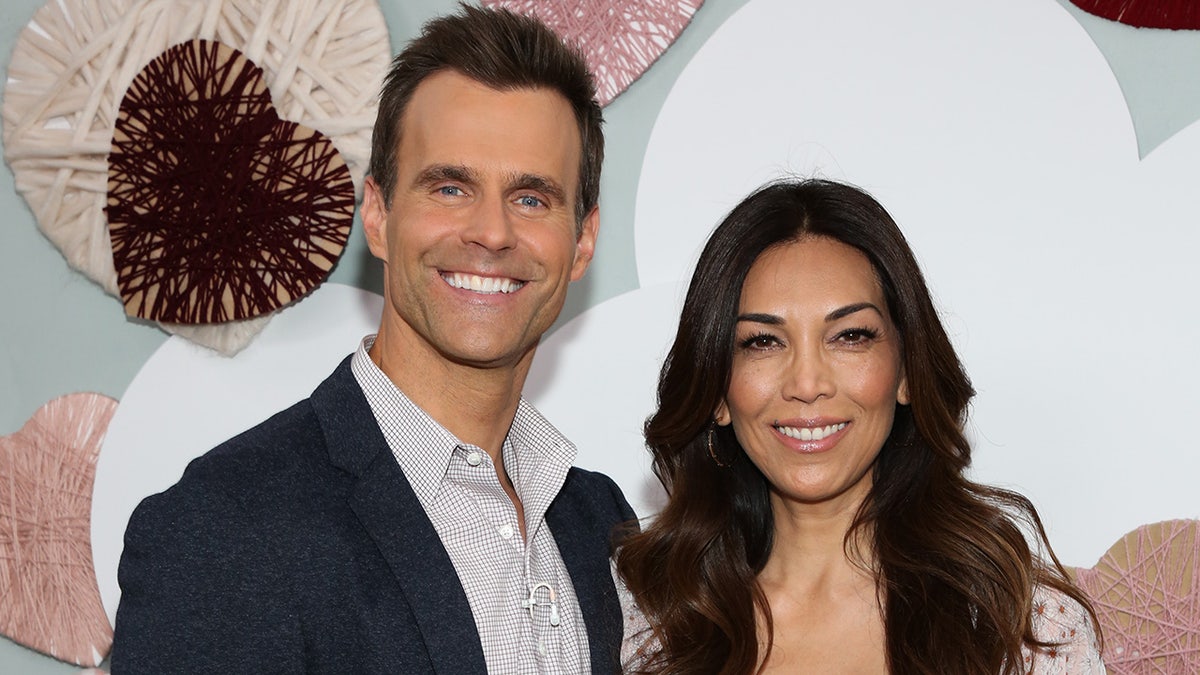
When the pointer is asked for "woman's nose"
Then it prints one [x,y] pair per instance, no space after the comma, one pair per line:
[809,376]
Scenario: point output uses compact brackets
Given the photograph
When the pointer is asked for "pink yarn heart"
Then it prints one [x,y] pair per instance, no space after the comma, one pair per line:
[49,599]
[1146,593]
[620,38]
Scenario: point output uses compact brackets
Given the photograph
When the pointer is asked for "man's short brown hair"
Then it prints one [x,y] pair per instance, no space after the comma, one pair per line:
[504,51]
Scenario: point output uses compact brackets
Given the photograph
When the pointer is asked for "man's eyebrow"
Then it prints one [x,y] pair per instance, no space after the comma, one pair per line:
[438,173]
[769,319]
[538,183]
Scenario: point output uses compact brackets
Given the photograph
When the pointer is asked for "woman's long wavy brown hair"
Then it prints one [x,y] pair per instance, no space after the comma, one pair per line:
[954,567]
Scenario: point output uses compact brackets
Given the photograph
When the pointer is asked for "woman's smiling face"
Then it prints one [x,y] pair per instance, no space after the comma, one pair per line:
[817,371]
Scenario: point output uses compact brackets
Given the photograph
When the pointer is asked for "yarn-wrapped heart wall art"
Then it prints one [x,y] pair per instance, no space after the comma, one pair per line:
[49,598]
[1146,593]
[619,38]
[71,66]
[217,209]
[1173,14]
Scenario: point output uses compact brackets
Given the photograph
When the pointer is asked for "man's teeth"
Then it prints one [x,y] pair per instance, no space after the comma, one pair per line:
[474,282]
[811,434]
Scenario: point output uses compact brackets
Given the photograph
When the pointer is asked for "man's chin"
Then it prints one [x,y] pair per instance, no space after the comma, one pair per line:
[488,355]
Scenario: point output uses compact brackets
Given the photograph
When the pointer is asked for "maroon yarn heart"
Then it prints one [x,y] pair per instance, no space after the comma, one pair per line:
[217,209]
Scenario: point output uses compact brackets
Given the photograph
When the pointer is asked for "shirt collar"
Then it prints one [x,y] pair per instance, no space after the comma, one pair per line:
[420,445]
[534,450]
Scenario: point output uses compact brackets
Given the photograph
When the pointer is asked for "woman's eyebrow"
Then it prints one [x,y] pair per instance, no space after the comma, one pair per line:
[843,312]
[839,313]
[769,319]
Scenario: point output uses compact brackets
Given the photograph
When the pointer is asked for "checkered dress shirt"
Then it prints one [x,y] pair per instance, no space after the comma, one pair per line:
[456,483]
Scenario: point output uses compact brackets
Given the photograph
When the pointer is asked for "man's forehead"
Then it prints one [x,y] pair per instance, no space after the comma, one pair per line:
[459,120]
[448,86]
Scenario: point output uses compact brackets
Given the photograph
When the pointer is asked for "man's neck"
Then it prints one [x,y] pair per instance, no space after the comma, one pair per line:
[475,404]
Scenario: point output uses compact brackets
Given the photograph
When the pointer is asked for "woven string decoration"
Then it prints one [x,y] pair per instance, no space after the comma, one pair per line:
[217,209]
[1177,14]
[49,599]
[620,38]
[1147,596]
[323,61]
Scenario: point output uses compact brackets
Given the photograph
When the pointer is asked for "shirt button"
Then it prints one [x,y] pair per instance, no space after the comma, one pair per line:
[506,531]
[474,458]
[541,647]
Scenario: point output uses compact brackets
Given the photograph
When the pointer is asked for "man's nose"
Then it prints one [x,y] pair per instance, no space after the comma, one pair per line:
[491,225]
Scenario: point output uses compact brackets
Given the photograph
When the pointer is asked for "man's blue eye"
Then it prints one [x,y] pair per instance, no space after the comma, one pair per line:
[529,201]
[450,191]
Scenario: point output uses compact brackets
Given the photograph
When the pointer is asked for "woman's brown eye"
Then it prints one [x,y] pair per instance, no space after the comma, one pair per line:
[857,335]
[758,342]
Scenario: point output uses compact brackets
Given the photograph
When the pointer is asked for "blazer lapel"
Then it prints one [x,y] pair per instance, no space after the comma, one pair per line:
[390,512]
[584,551]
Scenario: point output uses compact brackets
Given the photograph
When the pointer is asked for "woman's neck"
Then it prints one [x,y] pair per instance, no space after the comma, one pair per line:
[822,594]
[811,550]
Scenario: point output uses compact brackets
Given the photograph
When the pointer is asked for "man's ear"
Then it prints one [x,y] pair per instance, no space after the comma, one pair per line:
[585,247]
[374,218]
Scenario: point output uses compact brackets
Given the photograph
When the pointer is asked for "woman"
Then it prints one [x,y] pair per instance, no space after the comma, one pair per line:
[809,435]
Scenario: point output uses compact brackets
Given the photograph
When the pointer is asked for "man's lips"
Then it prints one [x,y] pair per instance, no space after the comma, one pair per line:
[481,284]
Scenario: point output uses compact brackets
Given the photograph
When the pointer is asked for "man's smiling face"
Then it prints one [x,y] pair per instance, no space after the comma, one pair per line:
[480,241]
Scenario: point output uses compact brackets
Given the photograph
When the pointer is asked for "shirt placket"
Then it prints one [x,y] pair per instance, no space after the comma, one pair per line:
[551,617]
[499,515]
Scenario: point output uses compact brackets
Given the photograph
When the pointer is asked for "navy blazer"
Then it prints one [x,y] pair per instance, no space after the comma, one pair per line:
[299,546]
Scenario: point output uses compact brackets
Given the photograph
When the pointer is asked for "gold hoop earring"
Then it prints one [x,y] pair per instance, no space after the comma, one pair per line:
[711,450]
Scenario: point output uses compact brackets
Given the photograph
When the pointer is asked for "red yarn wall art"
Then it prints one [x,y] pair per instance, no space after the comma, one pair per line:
[49,599]
[217,209]
[620,38]
[1177,14]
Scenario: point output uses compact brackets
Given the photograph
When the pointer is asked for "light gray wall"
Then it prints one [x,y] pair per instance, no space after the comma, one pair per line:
[62,334]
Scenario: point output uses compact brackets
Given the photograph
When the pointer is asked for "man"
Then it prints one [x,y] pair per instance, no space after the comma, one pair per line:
[415,514]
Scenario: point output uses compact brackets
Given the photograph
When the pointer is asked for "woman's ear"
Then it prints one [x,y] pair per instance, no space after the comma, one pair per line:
[721,415]
[902,391]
